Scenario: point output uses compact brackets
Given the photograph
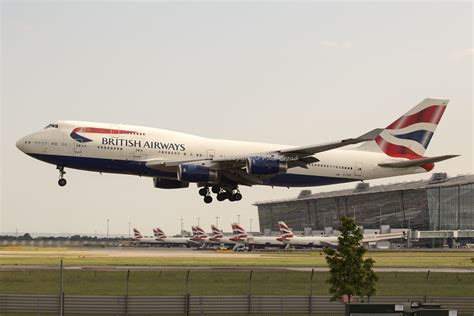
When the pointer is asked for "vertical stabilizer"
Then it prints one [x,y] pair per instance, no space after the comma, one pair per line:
[410,135]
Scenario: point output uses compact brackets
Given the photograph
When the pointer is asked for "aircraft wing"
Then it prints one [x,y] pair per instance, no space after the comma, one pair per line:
[304,151]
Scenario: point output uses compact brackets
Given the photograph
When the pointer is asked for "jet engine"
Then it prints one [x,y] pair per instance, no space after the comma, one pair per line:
[196,173]
[264,165]
[169,184]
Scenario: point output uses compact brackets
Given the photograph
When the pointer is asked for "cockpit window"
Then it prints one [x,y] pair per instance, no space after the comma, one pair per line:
[51,126]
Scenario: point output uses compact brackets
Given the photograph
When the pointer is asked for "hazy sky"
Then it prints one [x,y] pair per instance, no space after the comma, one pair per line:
[290,73]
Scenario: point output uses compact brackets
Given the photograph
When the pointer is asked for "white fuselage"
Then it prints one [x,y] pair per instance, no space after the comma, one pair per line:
[126,149]
[174,240]
[311,241]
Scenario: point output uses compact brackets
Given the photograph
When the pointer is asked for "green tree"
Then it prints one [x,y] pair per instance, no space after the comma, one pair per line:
[350,274]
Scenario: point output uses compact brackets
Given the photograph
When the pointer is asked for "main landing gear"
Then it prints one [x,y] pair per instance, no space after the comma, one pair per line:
[62,182]
[223,193]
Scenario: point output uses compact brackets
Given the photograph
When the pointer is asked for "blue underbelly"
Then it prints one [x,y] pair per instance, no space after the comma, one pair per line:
[301,180]
[131,167]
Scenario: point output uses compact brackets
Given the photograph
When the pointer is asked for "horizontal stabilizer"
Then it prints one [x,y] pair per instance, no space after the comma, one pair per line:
[416,162]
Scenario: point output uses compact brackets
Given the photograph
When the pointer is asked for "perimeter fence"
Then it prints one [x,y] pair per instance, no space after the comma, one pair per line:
[202,291]
[202,305]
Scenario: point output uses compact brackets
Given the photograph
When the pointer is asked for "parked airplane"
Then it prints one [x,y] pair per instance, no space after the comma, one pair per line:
[161,237]
[287,237]
[138,238]
[241,236]
[175,159]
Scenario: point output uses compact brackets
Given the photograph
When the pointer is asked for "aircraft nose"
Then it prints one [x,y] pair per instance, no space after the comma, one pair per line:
[21,144]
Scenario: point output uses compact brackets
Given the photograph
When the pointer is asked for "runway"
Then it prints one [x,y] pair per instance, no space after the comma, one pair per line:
[181,259]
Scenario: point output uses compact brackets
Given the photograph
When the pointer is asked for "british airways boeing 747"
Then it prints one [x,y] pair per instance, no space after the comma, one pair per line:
[174,160]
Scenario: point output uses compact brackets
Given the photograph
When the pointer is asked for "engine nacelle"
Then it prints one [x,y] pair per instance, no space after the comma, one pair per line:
[196,173]
[264,165]
[169,184]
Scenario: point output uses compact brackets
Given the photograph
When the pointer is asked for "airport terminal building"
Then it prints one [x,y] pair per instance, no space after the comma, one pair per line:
[440,203]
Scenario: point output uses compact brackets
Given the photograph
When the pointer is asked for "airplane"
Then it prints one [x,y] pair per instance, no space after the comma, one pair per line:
[241,236]
[288,238]
[138,238]
[161,237]
[174,160]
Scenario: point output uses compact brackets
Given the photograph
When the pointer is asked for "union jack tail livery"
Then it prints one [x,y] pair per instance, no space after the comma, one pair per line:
[216,231]
[285,231]
[158,233]
[238,233]
[137,234]
[410,135]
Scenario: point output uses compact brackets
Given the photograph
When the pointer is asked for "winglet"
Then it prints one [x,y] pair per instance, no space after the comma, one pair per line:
[370,135]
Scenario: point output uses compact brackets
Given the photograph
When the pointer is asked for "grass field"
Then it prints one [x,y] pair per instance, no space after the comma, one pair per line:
[303,259]
[224,283]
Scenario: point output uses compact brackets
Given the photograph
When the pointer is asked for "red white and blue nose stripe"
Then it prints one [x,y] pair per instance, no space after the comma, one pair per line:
[94,130]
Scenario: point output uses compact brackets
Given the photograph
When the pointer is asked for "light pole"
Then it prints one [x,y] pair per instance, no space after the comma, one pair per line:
[198,221]
[129,229]
[107,228]
[238,219]
[182,226]
[217,221]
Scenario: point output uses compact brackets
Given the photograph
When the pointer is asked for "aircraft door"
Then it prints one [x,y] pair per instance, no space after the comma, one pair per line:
[210,153]
[137,152]
[358,169]
[78,148]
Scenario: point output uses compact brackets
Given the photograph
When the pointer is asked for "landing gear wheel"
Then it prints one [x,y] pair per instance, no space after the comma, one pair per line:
[203,191]
[216,189]
[222,196]
[232,198]
[62,182]
[237,197]
[208,199]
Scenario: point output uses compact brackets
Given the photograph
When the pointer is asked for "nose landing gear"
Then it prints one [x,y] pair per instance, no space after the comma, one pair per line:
[61,182]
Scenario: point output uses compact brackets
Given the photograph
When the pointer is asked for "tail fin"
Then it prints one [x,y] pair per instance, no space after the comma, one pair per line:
[238,230]
[410,135]
[200,231]
[238,233]
[137,234]
[158,233]
[215,230]
[285,231]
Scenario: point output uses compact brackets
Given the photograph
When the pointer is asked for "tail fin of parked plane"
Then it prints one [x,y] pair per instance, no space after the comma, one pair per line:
[285,231]
[215,230]
[137,234]
[158,233]
[410,135]
[238,233]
